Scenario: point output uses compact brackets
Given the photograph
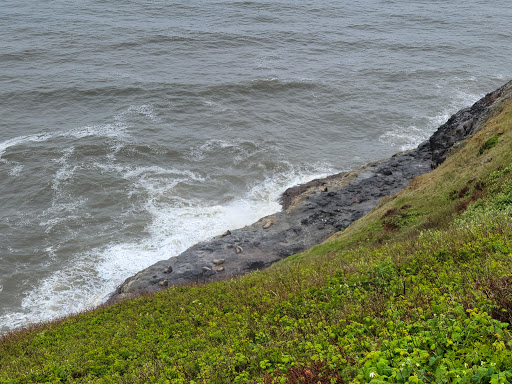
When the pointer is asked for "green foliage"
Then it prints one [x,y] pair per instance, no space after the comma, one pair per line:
[403,217]
[491,143]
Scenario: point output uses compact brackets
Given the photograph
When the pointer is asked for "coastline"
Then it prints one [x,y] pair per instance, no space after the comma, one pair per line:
[311,212]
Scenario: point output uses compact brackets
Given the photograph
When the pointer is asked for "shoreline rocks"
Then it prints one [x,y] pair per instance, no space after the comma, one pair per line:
[312,212]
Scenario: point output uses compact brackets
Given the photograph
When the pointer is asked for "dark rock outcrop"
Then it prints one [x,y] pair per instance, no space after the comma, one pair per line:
[311,212]
[464,123]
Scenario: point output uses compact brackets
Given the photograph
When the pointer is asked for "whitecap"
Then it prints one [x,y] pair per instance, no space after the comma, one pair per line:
[116,130]
[23,139]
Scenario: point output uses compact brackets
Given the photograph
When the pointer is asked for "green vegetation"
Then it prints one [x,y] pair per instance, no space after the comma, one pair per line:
[418,291]
[491,143]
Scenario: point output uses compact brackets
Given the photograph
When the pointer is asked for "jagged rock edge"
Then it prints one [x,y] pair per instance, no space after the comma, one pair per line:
[312,212]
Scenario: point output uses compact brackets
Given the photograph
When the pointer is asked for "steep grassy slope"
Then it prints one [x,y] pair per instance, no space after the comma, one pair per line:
[418,291]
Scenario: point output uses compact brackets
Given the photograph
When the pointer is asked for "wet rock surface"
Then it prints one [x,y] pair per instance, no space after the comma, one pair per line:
[311,212]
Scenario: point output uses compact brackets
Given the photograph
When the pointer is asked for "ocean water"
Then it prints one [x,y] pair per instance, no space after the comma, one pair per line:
[131,130]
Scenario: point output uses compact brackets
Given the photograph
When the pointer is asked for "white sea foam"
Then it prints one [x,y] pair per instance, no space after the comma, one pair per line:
[116,130]
[146,110]
[239,149]
[405,137]
[409,137]
[106,130]
[65,172]
[16,169]
[22,140]
[135,172]
[175,228]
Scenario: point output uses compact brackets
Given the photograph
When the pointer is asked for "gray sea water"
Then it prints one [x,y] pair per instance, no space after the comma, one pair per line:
[131,130]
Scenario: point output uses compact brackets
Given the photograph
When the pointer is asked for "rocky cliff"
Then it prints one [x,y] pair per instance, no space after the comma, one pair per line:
[311,212]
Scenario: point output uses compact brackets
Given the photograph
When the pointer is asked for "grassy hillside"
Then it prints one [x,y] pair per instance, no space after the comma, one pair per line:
[418,291]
